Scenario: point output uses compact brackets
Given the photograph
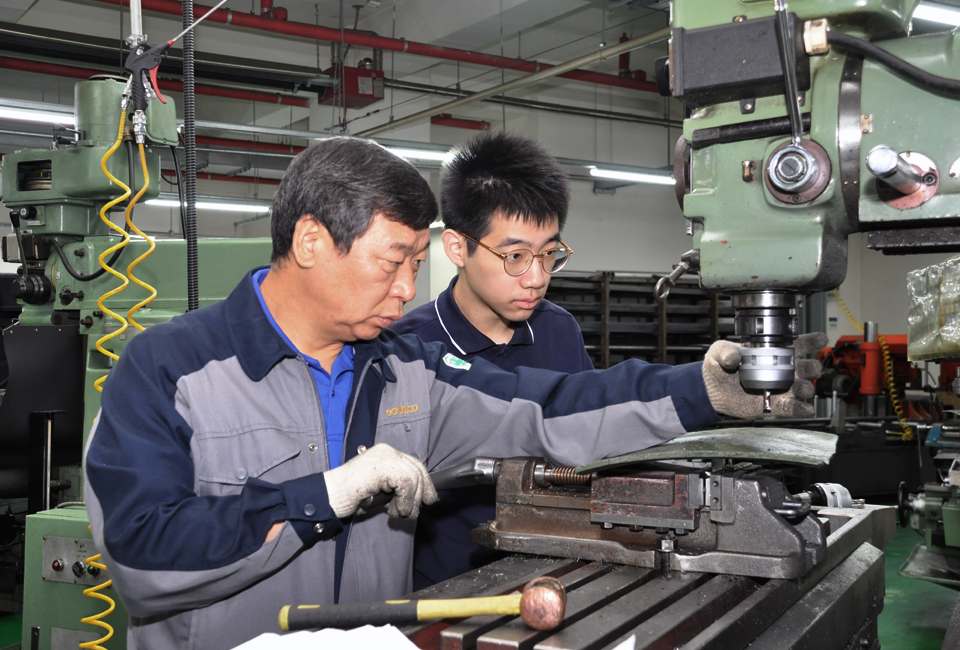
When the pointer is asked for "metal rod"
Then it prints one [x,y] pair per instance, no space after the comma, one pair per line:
[196,22]
[564,109]
[46,460]
[788,55]
[600,55]
[136,24]
[887,165]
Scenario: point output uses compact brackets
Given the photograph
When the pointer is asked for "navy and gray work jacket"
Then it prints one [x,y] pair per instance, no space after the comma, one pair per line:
[211,430]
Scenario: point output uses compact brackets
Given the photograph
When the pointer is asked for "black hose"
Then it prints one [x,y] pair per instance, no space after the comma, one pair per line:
[183,212]
[895,64]
[57,246]
[190,147]
[131,170]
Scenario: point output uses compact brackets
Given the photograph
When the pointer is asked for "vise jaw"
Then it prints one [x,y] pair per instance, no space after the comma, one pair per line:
[739,520]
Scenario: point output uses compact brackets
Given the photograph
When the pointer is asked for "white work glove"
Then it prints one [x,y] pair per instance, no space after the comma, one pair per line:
[380,469]
[722,377]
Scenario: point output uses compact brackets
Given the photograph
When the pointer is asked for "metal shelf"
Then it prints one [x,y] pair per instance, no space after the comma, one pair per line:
[620,319]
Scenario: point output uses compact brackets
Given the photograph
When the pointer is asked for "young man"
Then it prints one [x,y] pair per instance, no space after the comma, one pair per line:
[504,203]
[235,444]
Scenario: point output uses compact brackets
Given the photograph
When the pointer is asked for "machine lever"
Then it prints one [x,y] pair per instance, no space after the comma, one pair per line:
[476,471]
[788,62]
[689,261]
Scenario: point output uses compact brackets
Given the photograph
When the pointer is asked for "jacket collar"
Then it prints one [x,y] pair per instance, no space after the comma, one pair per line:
[466,338]
[258,346]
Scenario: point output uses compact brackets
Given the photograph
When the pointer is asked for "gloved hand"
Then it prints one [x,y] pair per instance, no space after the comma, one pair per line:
[380,469]
[721,375]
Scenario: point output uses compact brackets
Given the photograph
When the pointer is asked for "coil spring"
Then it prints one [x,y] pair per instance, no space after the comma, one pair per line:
[565,476]
[96,619]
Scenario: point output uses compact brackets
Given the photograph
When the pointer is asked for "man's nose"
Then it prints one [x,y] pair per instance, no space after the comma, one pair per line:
[404,286]
[534,278]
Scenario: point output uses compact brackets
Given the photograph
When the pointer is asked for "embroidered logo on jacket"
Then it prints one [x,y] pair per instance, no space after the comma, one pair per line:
[454,362]
[400,410]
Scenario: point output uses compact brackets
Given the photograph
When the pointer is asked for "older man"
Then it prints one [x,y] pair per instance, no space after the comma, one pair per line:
[235,443]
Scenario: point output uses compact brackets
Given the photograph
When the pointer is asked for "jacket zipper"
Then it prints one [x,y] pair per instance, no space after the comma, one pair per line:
[353,408]
[316,394]
[346,431]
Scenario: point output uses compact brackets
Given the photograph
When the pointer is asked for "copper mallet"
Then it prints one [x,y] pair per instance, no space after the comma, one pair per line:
[541,606]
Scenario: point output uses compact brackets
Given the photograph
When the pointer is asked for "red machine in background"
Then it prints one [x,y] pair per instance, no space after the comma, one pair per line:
[855,369]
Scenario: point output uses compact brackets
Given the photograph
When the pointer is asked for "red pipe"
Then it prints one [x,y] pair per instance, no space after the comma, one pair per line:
[249,144]
[165,84]
[445,119]
[317,33]
[206,176]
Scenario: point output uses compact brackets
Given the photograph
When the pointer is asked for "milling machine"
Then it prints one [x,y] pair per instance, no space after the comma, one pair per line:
[77,317]
[807,123]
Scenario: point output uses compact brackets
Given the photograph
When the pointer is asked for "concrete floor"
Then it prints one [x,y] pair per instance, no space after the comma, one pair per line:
[914,617]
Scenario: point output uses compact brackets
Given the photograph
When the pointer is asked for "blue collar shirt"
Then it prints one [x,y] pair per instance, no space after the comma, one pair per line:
[333,388]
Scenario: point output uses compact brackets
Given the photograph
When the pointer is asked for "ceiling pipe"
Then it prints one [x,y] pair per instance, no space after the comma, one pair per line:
[317,33]
[563,109]
[530,79]
[206,176]
[445,119]
[172,85]
[249,144]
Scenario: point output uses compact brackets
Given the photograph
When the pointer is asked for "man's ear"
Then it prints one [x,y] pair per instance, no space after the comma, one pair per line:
[311,242]
[455,246]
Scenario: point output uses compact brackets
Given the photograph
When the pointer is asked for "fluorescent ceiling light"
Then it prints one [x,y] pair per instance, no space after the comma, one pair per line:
[937,13]
[207,205]
[26,115]
[421,154]
[436,224]
[633,177]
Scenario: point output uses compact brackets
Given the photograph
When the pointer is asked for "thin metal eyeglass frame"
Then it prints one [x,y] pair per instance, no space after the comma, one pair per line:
[537,256]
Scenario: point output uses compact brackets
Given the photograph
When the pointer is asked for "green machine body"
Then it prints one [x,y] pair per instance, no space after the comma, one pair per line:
[58,194]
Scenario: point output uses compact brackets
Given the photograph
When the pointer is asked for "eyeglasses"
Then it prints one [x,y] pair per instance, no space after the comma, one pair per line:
[517,262]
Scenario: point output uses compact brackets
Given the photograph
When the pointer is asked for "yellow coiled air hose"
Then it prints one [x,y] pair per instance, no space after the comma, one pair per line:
[888,369]
[97,619]
[98,384]
[153,246]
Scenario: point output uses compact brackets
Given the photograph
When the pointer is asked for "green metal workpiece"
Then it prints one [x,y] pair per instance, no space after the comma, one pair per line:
[784,445]
[56,607]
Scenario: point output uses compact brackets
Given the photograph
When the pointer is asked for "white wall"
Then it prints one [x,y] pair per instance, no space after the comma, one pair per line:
[875,288]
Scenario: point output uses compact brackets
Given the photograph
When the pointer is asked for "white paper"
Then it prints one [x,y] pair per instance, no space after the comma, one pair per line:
[362,638]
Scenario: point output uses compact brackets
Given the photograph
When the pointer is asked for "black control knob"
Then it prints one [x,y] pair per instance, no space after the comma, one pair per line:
[67,295]
[32,289]
[78,569]
[27,212]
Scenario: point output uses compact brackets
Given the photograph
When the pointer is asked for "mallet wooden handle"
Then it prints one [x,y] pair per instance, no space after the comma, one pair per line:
[541,606]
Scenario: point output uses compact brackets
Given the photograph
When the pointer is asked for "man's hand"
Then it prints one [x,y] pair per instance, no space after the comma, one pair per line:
[722,377]
[380,469]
